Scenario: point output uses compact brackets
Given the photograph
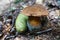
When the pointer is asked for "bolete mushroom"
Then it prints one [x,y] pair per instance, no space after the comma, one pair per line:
[36,13]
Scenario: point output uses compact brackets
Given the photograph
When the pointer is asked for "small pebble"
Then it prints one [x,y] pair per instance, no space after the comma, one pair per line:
[17,38]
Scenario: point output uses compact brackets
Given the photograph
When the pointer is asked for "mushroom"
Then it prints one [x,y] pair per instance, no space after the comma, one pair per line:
[37,16]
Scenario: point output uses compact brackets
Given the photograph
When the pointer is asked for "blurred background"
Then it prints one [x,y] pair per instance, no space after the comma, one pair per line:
[16,6]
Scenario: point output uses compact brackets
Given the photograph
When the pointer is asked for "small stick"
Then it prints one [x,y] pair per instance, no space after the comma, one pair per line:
[40,32]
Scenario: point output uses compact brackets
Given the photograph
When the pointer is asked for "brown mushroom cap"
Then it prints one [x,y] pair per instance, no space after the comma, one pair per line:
[35,10]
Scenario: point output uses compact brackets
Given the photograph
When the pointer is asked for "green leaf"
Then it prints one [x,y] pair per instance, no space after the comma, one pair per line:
[21,23]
